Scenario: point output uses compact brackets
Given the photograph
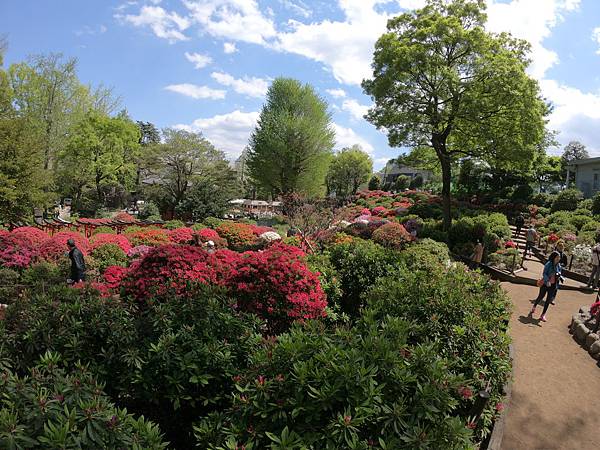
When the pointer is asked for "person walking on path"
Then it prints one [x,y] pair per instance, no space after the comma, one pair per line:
[551,279]
[530,241]
[519,222]
[477,256]
[593,280]
[560,248]
[77,262]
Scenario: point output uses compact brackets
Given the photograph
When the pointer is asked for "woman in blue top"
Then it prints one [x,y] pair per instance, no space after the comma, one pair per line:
[552,271]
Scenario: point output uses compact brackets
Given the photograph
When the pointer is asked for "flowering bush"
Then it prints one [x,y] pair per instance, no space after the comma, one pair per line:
[277,285]
[168,269]
[125,217]
[114,275]
[139,251]
[510,244]
[150,236]
[207,234]
[181,235]
[258,229]
[16,250]
[35,235]
[392,235]
[365,212]
[98,240]
[238,235]
[55,247]
[552,238]
[379,211]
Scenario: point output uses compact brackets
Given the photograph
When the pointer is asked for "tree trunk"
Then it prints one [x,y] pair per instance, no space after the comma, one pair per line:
[446,181]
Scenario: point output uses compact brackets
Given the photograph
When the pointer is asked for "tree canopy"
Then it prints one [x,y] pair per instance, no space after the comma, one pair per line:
[441,81]
[292,144]
[349,168]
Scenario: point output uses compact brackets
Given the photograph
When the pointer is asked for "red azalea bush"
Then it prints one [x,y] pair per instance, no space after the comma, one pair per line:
[151,236]
[392,235]
[553,238]
[277,285]
[114,275]
[16,251]
[139,251]
[380,211]
[510,244]
[238,235]
[258,230]
[208,234]
[125,217]
[35,235]
[168,269]
[182,235]
[101,239]
[55,247]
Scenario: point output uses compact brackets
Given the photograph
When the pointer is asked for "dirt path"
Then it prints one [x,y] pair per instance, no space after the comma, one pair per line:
[556,390]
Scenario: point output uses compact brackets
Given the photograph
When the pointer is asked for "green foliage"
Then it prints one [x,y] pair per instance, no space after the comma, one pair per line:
[104,230]
[596,204]
[8,289]
[359,265]
[109,255]
[402,183]
[182,161]
[522,193]
[53,408]
[416,182]
[349,169]
[374,183]
[172,362]
[465,313]
[567,200]
[425,252]
[543,199]
[350,388]
[44,274]
[206,199]
[149,211]
[328,276]
[212,222]
[172,224]
[291,147]
[494,114]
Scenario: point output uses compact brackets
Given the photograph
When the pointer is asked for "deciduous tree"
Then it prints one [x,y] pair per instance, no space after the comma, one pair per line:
[349,169]
[292,144]
[441,81]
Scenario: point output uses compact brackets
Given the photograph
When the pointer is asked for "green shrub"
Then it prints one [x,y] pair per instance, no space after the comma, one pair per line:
[109,255]
[427,210]
[173,224]
[433,229]
[522,193]
[592,225]
[104,230]
[44,274]
[426,250]
[567,200]
[52,408]
[213,222]
[357,388]
[359,264]
[9,279]
[543,199]
[198,226]
[149,211]
[329,278]
[467,315]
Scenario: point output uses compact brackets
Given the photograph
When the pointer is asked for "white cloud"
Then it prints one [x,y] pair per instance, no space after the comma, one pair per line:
[198,59]
[336,93]
[229,47]
[252,87]
[576,114]
[166,25]
[239,20]
[347,137]
[298,7]
[228,132]
[533,21]
[355,109]
[596,38]
[196,92]
[87,30]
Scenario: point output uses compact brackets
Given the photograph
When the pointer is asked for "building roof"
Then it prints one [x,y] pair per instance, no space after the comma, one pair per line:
[581,162]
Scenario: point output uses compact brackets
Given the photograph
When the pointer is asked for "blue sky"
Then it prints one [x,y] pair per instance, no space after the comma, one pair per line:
[204,65]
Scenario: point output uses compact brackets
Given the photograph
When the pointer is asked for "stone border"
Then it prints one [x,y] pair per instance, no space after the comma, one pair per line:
[580,329]
[495,441]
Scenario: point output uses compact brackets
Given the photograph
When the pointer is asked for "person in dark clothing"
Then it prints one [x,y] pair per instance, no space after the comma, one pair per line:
[551,280]
[77,262]
[519,222]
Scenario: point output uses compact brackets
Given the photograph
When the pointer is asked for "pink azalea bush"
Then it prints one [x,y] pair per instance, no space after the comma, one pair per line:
[55,247]
[100,239]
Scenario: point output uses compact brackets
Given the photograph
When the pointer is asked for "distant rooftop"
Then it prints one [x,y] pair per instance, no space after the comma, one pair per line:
[581,162]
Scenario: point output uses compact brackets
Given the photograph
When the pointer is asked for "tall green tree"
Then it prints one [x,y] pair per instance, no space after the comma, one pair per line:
[182,161]
[292,144]
[441,81]
[101,149]
[573,151]
[349,168]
